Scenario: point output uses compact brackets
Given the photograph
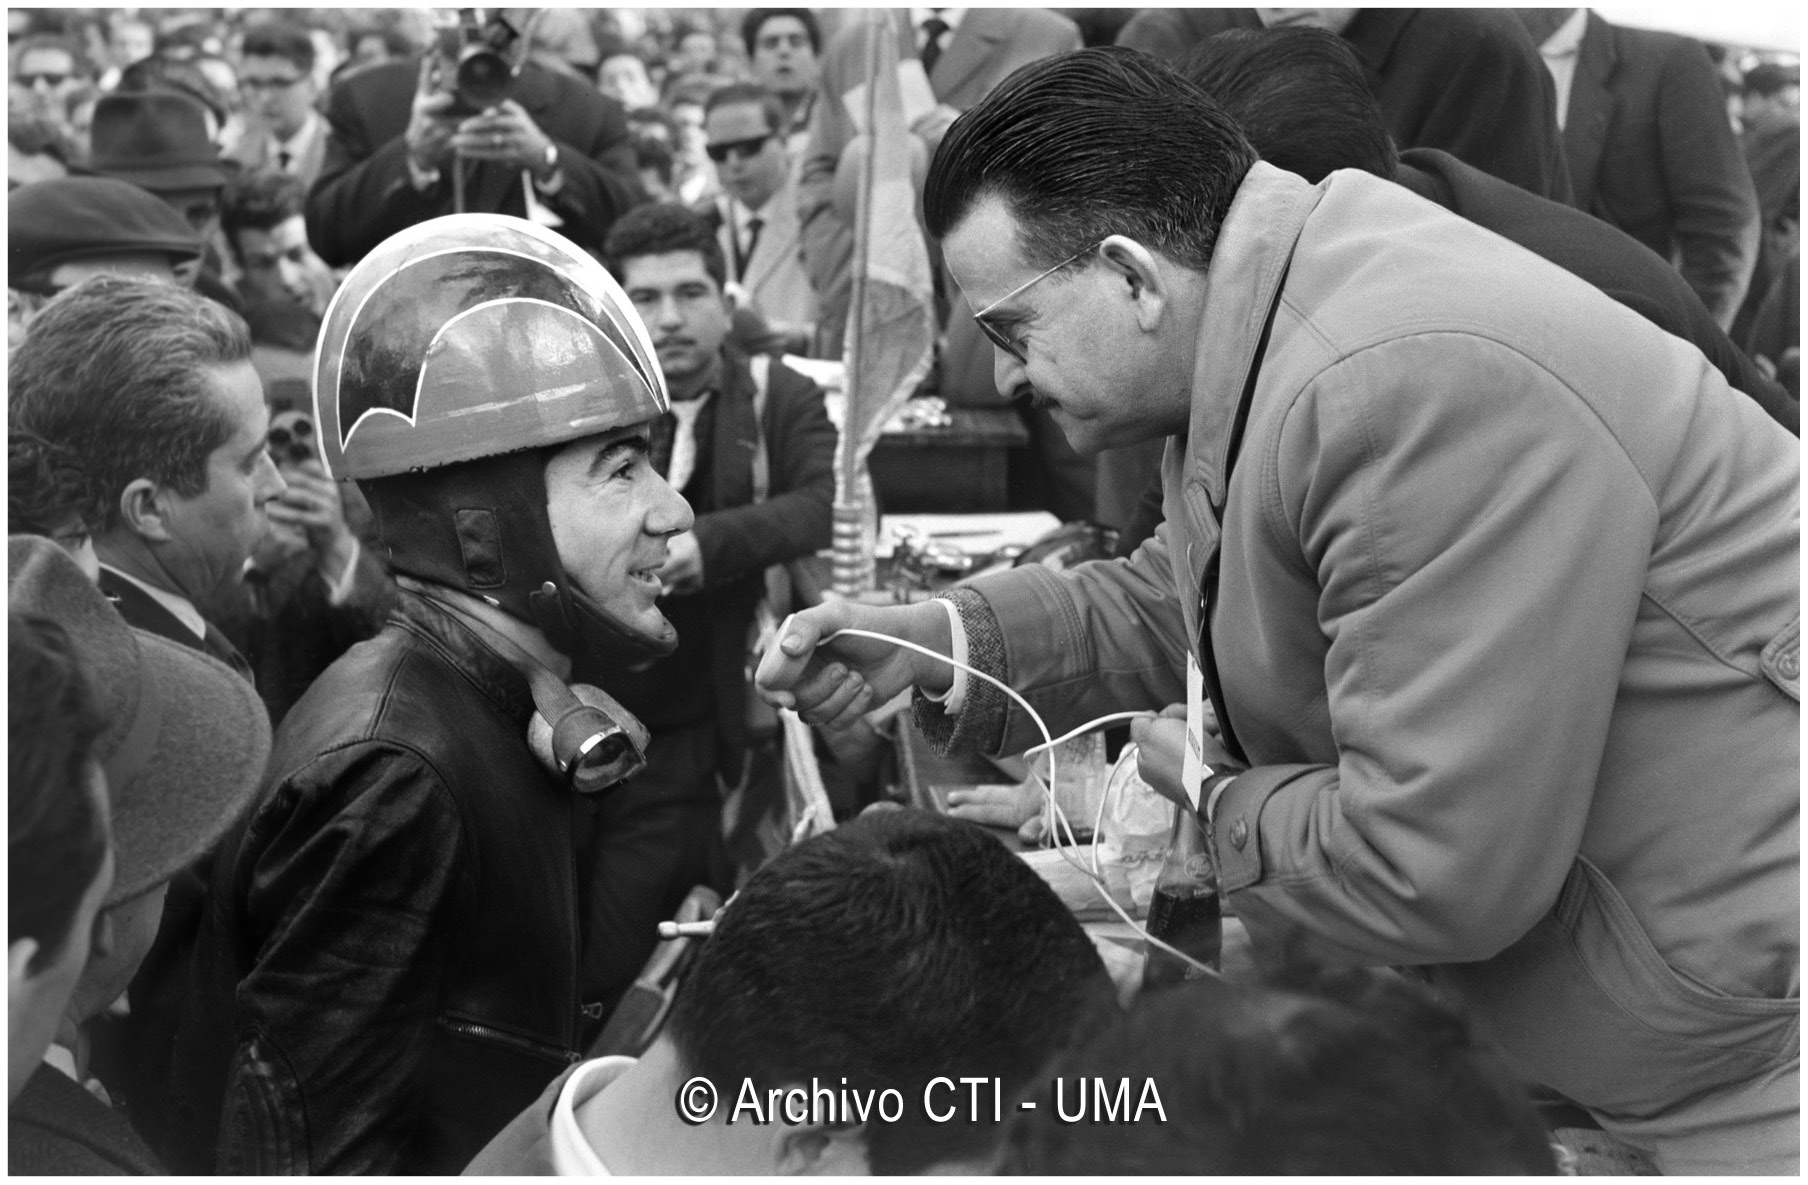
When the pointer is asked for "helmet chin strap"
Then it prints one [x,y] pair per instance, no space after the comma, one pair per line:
[575,624]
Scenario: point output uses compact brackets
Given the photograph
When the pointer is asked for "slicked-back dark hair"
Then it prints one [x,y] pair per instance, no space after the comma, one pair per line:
[1089,144]
[56,836]
[750,26]
[1300,97]
[262,199]
[900,947]
[661,228]
[770,104]
[278,39]
[1355,1071]
[117,371]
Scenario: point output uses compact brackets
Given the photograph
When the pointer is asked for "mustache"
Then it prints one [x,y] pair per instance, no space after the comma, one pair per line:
[1037,399]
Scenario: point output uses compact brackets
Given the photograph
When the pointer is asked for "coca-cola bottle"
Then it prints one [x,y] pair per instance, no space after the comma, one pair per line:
[1184,912]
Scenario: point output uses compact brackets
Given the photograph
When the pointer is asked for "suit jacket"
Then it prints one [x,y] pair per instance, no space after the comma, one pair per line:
[1469,81]
[1609,259]
[775,279]
[365,193]
[987,46]
[56,1128]
[1650,150]
[1171,33]
[257,150]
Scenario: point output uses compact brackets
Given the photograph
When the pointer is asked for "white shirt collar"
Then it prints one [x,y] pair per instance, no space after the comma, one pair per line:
[1567,40]
[572,1153]
[183,609]
[950,17]
[297,144]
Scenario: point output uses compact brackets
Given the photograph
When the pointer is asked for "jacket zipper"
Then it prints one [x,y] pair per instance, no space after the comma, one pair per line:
[486,1033]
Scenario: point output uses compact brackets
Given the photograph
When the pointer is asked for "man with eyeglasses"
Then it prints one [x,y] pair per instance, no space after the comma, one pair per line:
[756,216]
[277,77]
[1490,586]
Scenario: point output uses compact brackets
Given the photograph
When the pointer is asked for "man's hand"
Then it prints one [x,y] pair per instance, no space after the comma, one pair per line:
[507,135]
[682,572]
[430,123]
[836,682]
[312,505]
[1161,750]
[998,806]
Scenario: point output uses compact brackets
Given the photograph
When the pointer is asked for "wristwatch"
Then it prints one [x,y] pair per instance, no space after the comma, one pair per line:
[549,164]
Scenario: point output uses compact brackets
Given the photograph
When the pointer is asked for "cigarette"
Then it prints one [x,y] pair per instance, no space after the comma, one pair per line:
[670,930]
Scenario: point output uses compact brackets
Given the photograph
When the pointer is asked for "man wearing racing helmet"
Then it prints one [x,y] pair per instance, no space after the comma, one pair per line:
[414,931]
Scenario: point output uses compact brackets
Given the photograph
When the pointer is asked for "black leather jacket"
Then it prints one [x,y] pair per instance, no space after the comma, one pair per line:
[392,965]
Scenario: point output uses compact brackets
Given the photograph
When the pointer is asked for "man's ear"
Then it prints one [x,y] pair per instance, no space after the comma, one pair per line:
[1141,270]
[143,511]
[18,964]
[816,1151]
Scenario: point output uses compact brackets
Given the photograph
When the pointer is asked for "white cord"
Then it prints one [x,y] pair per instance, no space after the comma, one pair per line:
[1095,873]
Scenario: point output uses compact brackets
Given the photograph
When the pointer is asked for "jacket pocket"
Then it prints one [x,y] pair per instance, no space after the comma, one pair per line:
[1781,661]
[263,1124]
[1586,1004]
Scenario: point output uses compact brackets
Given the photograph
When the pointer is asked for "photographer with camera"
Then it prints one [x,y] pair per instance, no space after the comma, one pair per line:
[469,127]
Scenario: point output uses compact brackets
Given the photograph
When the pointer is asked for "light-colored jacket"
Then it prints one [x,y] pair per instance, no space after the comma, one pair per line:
[1508,624]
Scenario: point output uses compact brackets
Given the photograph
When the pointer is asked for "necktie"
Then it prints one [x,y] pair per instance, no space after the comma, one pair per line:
[684,440]
[933,28]
[282,159]
[753,242]
[220,647]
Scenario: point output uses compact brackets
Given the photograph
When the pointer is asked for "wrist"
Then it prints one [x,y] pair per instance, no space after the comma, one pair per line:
[334,559]
[547,165]
[933,630]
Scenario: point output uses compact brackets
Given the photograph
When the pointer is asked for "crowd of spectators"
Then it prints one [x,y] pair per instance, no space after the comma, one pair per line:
[197,197]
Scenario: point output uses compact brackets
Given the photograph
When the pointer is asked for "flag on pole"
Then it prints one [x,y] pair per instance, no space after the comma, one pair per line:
[891,322]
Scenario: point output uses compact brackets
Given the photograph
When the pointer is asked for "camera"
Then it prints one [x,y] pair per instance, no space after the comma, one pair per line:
[291,439]
[476,51]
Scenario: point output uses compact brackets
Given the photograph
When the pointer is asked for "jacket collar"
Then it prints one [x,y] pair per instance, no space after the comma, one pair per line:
[471,655]
[1253,248]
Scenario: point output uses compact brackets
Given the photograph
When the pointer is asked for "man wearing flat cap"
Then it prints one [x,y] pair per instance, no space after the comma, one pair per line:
[63,230]
[182,743]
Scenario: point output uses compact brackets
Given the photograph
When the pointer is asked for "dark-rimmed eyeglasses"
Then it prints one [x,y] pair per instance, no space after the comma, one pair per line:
[48,77]
[739,149]
[998,336]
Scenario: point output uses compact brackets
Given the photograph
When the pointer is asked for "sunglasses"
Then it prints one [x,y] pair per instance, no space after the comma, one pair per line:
[997,335]
[739,149]
[30,81]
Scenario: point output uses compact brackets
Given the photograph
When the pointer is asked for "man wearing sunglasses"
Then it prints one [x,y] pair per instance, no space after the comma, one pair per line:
[277,76]
[756,217]
[1492,587]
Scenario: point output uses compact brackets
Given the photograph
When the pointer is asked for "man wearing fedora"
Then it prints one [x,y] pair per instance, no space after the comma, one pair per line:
[181,745]
[158,141]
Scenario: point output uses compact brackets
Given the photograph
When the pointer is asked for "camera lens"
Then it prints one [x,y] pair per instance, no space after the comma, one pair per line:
[483,77]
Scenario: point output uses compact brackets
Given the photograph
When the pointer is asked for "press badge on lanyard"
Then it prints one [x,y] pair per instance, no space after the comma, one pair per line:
[1193,769]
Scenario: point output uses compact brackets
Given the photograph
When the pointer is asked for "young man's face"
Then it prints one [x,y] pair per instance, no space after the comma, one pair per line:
[783,61]
[684,312]
[213,533]
[753,164]
[36,998]
[279,265]
[611,514]
[278,94]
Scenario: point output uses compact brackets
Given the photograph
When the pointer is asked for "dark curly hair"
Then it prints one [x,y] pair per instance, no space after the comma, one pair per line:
[659,229]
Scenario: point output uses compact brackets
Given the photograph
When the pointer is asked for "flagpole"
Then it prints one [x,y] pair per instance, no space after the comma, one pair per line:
[855,517]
